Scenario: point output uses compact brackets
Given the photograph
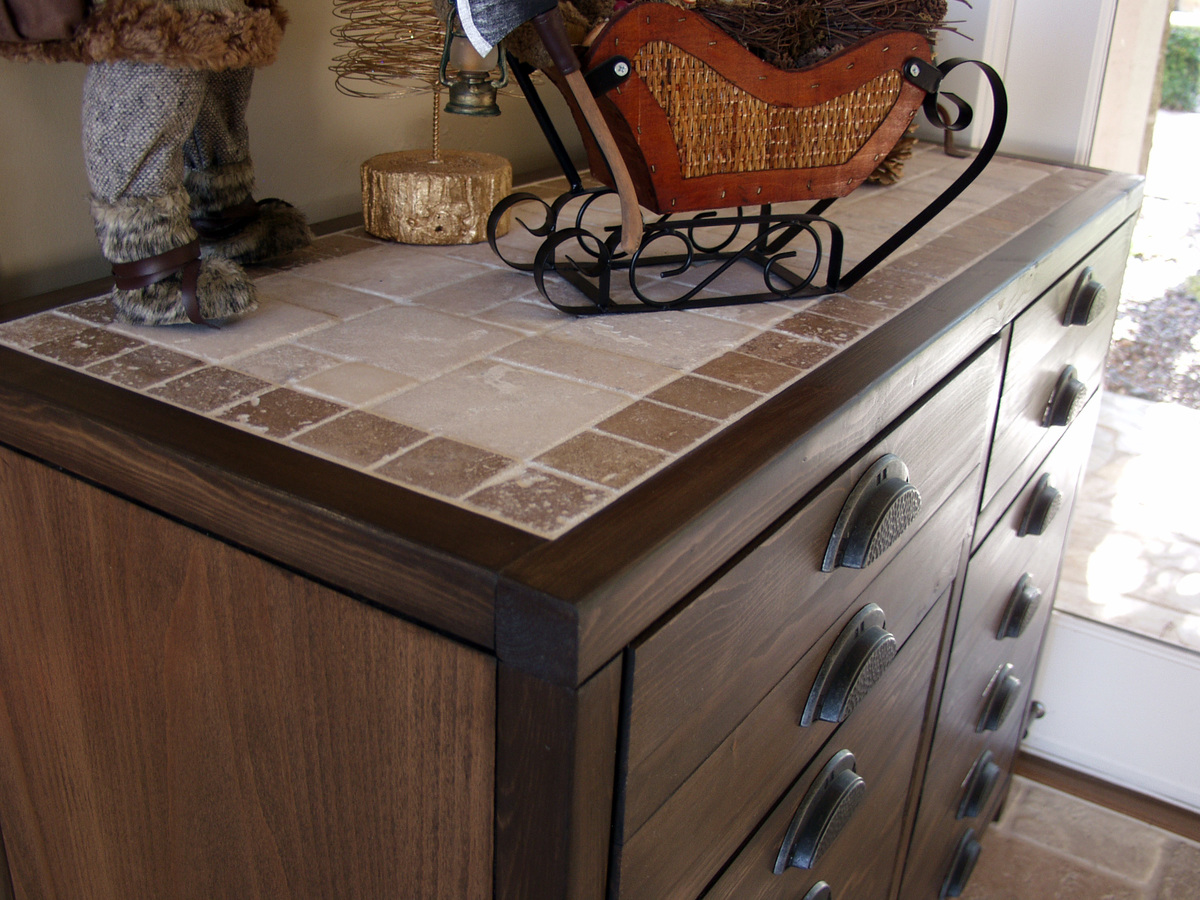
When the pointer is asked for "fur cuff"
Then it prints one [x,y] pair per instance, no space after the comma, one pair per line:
[151,31]
[224,291]
[219,188]
[134,228]
[280,228]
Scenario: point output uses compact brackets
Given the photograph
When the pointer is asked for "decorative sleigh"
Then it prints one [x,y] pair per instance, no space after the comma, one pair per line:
[700,128]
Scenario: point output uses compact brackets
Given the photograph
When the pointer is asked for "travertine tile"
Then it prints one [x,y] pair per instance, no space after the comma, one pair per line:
[445,467]
[210,388]
[758,315]
[602,459]
[354,383]
[144,366]
[531,316]
[284,364]
[330,246]
[539,500]
[708,398]
[893,287]
[397,271]
[87,346]
[600,367]
[417,342]
[331,299]
[272,323]
[282,412]
[674,339]
[787,350]
[473,295]
[39,329]
[1010,868]
[749,372]
[1105,840]
[495,405]
[816,326]
[658,426]
[360,438]
[839,306]
[1181,872]
[98,311]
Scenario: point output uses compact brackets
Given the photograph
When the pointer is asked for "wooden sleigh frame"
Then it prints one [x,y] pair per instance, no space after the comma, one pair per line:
[705,129]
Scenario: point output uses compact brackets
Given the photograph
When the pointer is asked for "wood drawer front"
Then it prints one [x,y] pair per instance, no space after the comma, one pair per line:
[1040,350]
[706,668]
[859,862]
[690,836]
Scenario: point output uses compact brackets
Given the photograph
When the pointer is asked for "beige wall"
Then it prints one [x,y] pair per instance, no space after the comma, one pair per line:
[307,140]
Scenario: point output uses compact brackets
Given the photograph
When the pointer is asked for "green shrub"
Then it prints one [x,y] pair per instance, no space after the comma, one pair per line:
[1181,70]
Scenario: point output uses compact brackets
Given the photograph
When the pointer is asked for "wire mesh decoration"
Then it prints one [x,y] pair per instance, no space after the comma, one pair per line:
[393,48]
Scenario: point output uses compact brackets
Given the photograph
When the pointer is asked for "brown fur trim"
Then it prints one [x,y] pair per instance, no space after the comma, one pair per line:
[156,32]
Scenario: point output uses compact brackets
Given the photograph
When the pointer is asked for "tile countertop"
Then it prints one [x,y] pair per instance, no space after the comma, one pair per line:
[443,370]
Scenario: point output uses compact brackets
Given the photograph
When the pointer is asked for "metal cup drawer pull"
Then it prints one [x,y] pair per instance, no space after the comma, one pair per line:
[1001,697]
[857,659]
[1024,601]
[880,507]
[1087,301]
[1044,504]
[1066,400]
[828,806]
[819,891]
[981,781]
[966,854]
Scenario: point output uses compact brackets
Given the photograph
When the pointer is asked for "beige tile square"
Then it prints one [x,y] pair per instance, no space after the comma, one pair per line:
[331,299]
[540,501]
[1010,868]
[397,271]
[602,459]
[679,340]
[284,364]
[355,384]
[531,316]
[359,438]
[505,409]
[272,323]
[445,467]
[469,296]
[581,363]
[412,341]
[1181,872]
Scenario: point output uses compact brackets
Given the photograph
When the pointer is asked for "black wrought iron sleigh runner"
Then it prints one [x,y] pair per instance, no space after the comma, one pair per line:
[711,138]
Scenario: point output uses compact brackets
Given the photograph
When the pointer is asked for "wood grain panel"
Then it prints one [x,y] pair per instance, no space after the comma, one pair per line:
[556,763]
[179,719]
[859,862]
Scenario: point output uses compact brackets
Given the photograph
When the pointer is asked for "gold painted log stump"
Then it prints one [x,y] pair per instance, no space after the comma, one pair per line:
[411,198]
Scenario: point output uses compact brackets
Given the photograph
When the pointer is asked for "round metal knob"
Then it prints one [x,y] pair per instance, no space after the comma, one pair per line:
[1088,299]
[1066,400]
[828,806]
[857,659]
[879,509]
[966,854]
[1022,604]
[1043,506]
[984,777]
[1001,697]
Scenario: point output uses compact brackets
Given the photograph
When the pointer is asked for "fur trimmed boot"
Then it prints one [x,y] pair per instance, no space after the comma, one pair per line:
[219,177]
[160,278]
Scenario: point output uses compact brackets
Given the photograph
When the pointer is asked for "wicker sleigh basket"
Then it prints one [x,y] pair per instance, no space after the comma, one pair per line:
[702,123]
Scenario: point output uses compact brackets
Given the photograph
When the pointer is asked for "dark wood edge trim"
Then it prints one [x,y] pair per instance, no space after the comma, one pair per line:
[392,546]
[645,572]
[556,764]
[1115,797]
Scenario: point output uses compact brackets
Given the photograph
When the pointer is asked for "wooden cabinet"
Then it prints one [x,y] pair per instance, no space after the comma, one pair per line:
[793,663]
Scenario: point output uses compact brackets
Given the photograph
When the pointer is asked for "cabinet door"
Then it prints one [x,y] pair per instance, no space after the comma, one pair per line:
[181,719]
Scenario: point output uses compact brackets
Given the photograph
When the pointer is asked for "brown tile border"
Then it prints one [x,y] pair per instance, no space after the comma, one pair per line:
[360,438]
[658,426]
[282,412]
[602,459]
[445,467]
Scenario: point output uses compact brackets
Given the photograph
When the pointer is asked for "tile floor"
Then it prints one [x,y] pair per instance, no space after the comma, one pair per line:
[444,370]
[1051,846]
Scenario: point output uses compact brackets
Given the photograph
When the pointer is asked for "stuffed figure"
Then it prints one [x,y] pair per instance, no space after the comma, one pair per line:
[167,151]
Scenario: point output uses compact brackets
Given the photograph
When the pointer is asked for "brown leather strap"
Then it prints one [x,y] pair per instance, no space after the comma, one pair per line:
[144,272]
[223,223]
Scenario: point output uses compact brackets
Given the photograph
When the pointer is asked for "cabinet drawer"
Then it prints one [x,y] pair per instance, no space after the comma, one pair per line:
[1052,363]
[707,667]
[858,861]
[687,840]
